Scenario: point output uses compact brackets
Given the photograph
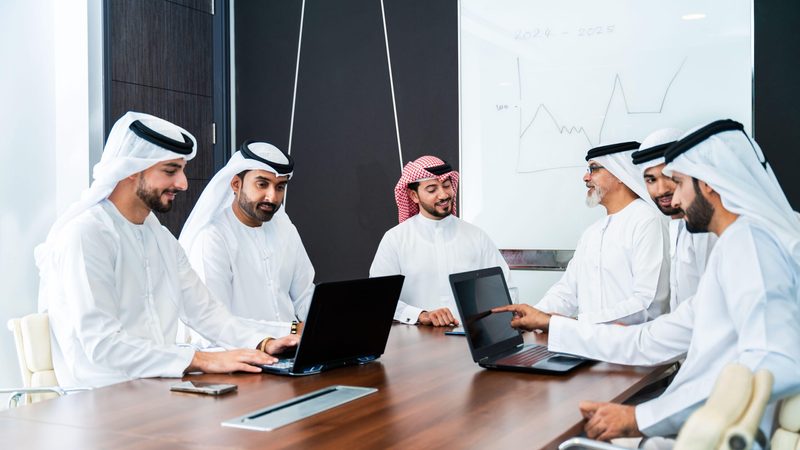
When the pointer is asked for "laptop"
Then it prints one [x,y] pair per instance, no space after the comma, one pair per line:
[348,323]
[492,341]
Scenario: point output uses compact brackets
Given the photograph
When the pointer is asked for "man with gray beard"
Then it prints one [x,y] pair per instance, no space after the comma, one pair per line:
[620,271]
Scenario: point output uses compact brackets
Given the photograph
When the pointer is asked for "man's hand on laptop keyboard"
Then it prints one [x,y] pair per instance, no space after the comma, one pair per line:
[438,318]
[526,317]
[280,345]
[244,360]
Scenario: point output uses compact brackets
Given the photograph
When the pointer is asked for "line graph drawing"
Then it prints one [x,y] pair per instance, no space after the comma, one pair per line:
[544,135]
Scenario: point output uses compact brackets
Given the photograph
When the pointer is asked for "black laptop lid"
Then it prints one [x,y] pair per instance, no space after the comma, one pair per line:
[348,320]
[476,293]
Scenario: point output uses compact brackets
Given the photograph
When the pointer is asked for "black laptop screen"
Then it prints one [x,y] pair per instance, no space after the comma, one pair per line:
[476,297]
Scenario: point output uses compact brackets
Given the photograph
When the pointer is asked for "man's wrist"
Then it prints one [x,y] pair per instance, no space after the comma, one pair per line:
[263,344]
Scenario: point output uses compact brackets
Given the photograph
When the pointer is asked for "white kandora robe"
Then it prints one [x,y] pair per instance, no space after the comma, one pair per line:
[689,254]
[123,289]
[745,310]
[427,251]
[620,270]
[260,273]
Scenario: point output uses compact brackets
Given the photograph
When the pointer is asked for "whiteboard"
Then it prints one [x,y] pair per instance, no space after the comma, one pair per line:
[542,82]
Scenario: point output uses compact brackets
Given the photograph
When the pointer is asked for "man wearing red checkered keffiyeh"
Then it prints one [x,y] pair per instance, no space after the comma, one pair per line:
[430,243]
[424,168]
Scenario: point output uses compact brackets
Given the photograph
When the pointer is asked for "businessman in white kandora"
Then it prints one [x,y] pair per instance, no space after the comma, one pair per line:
[747,305]
[115,282]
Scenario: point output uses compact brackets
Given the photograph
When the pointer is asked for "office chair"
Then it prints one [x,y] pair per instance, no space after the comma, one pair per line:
[787,436]
[32,340]
[728,420]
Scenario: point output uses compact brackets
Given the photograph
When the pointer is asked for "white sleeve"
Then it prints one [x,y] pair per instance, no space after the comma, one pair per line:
[89,311]
[562,297]
[302,287]
[761,296]
[764,303]
[650,266]
[662,340]
[386,263]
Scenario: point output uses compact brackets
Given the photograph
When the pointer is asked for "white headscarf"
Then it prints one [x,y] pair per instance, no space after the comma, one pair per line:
[621,166]
[731,163]
[218,195]
[658,137]
[125,154]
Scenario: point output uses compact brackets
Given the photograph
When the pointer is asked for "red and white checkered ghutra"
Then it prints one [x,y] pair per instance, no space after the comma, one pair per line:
[415,171]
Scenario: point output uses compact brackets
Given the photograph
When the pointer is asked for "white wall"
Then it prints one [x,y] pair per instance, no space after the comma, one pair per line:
[46,145]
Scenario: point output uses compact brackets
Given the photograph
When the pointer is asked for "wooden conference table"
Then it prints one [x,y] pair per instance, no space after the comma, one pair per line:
[430,395]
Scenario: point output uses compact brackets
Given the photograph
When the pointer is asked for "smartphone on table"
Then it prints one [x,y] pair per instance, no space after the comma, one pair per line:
[203,388]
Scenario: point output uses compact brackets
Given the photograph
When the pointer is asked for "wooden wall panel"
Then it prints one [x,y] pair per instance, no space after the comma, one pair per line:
[161,44]
[192,112]
[200,5]
[160,62]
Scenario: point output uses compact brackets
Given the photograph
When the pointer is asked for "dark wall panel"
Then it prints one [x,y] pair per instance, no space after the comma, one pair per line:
[200,5]
[777,89]
[345,143]
[267,34]
[161,44]
[159,60]
[423,43]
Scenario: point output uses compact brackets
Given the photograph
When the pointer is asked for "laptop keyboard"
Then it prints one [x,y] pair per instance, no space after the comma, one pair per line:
[283,364]
[528,357]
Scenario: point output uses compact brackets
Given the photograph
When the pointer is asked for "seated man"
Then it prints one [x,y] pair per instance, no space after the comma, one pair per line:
[247,251]
[747,305]
[430,243]
[688,251]
[115,282]
[620,270]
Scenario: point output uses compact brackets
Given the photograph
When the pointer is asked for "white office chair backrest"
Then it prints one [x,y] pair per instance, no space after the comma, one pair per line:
[787,437]
[32,339]
[730,417]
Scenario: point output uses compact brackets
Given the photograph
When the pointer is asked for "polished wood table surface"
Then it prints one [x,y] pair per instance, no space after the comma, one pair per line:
[430,395]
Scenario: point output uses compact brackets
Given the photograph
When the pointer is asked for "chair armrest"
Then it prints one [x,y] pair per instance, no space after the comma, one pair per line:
[17,393]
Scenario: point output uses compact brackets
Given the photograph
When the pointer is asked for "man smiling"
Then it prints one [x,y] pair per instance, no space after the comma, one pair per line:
[619,272]
[430,243]
[688,251]
[243,245]
[747,305]
[116,283]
